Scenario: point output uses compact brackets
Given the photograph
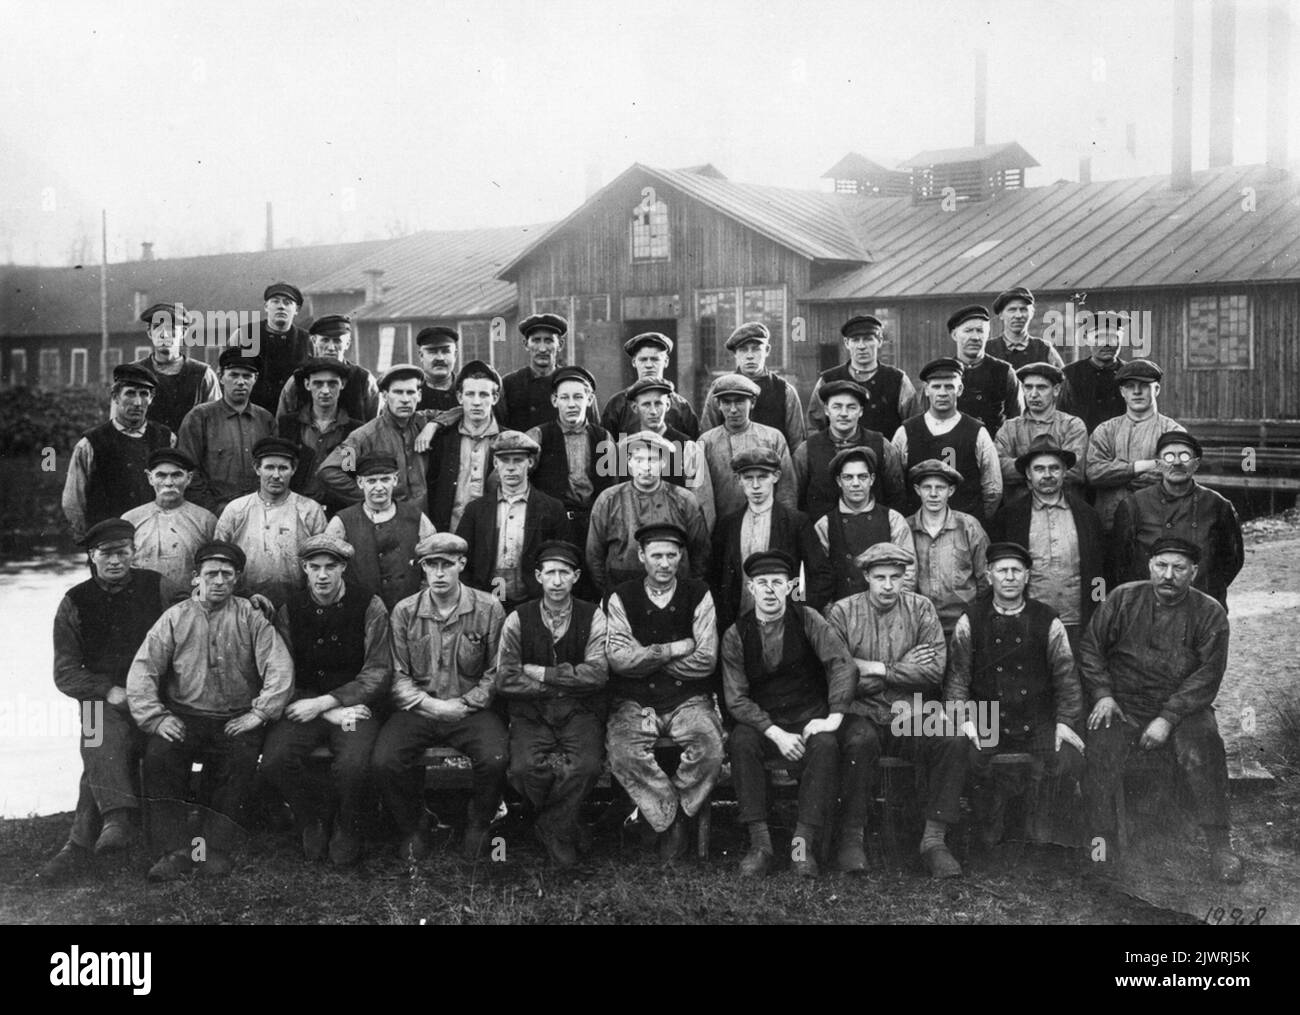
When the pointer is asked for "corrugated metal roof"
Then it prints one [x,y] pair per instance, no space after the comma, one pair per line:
[1007,155]
[1116,234]
[854,166]
[437,274]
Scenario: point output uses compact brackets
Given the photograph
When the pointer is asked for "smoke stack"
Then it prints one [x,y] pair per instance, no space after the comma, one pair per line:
[1180,177]
[270,228]
[1223,71]
[1279,71]
[981,94]
[373,275]
[146,250]
[1085,169]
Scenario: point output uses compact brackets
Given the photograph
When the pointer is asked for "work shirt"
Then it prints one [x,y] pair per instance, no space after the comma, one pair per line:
[511,509]
[621,415]
[889,485]
[359,397]
[215,662]
[985,453]
[315,439]
[1054,546]
[909,402]
[384,435]
[80,466]
[794,427]
[1091,391]
[562,679]
[166,541]
[1017,434]
[446,657]
[475,453]
[951,565]
[629,658]
[1113,448]
[220,438]
[721,446]
[374,674]
[577,452]
[270,534]
[622,509]
[1028,350]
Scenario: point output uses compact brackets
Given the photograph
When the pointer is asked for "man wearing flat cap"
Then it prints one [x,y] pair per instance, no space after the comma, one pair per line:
[505,526]
[318,426]
[950,544]
[1152,661]
[1041,384]
[106,474]
[990,391]
[763,525]
[337,634]
[947,433]
[1061,531]
[686,465]
[789,682]
[169,531]
[1122,451]
[391,434]
[778,405]
[197,706]
[277,342]
[663,650]
[649,353]
[438,347]
[735,396]
[890,397]
[1009,663]
[180,383]
[445,643]
[270,525]
[382,532]
[526,392]
[1180,506]
[98,628]
[845,402]
[219,436]
[330,337]
[856,522]
[613,554]
[552,672]
[460,457]
[1091,389]
[897,645]
[1015,308]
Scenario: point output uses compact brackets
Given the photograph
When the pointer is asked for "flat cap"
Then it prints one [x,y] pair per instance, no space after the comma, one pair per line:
[275,446]
[108,531]
[476,368]
[973,312]
[561,550]
[164,313]
[857,453]
[283,289]
[660,531]
[319,364]
[400,372]
[1178,437]
[885,553]
[437,334]
[832,388]
[572,373]
[944,366]
[1138,370]
[997,551]
[219,549]
[650,384]
[441,546]
[1052,374]
[513,442]
[335,546]
[862,324]
[233,356]
[735,384]
[331,325]
[1016,292]
[751,331]
[933,467]
[655,338]
[170,456]
[376,465]
[1172,544]
[769,562]
[756,458]
[1045,444]
[543,322]
[647,437]
[130,373]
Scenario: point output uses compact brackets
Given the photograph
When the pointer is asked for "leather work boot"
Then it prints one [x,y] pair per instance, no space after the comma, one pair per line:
[315,840]
[757,863]
[118,834]
[675,842]
[1227,866]
[941,863]
[803,858]
[70,860]
[345,847]
[850,856]
[172,867]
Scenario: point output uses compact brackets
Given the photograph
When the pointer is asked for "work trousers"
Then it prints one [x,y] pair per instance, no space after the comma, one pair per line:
[555,752]
[313,793]
[111,744]
[1047,785]
[940,762]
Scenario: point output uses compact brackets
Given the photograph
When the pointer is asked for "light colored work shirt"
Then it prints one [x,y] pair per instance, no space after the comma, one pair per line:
[166,541]
[269,535]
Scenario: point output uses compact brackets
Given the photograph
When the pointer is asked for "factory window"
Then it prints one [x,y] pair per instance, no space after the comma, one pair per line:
[1218,334]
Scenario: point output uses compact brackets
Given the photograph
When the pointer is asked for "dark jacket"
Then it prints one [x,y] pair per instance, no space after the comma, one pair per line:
[544,518]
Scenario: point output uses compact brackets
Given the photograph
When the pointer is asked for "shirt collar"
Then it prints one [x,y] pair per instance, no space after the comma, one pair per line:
[750,509]
[1016,346]
[1042,505]
[512,498]
[949,521]
[572,431]
[1009,613]
[493,428]
[463,606]
[846,510]
[117,425]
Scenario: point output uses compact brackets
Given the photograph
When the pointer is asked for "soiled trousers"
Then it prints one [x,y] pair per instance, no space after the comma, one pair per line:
[555,752]
[313,793]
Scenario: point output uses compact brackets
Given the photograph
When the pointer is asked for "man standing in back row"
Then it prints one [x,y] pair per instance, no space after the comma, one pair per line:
[778,404]
[526,392]
[1015,306]
[649,353]
[890,395]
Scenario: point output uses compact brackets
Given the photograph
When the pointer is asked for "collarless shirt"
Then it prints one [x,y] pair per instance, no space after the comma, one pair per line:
[1054,546]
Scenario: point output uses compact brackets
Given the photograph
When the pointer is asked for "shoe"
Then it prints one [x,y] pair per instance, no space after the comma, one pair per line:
[757,863]
[674,843]
[476,837]
[172,867]
[560,852]
[71,859]
[345,847]
[1228,866]
[118,835]
[941,863]
[215,865]
[850,856]
[413,848]
[803,858]
[315,840]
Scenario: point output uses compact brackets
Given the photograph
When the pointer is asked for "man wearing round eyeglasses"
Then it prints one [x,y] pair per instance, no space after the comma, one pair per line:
[1179,506]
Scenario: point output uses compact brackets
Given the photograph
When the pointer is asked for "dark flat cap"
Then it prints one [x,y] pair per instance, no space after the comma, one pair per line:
[400,372]
[561,550]
[233,356]
[283,289]
[441,546]
[110,530]
[944,366]
[933,467]
[729,385]
[756,458]
[130,373]
[1016,292]
[647,437]
[859,452]
[219,549]
[376,465]
[885,553]
[572,373]
[275,446]
[164,313]
[331,325]
[832,388]
[997,551]
[752,331]
[334,546]
[1051,373]
[437,334]
[1138,370]
[1178,437]
[513,442]
[476,368]
[769,562]
[319,365]
[170,456]
[655,338]
[660,531]
[650,384]
[1172,544]
[973,312]
[863,324]
[543,322]
[1045,444]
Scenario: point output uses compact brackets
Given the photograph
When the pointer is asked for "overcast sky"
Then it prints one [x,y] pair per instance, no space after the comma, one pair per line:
[358,120]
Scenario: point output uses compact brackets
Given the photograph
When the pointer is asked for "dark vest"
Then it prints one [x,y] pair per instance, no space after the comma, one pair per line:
[883,389]
[653,626]
[921,444]
[984,393]
[850,535]
[536,646]
[1092,394]
[552,472]
[281,355]
[444,452]
[770,407]
[352,399]
[117,480]
[437,400]
[1035,351]
[823,493]
[329,642]
[796,690]
[176,394]
[527,399]
[384,564]
[113,627]
[1009,665]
